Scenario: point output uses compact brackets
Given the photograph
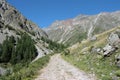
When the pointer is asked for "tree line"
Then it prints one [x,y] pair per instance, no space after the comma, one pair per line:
[54,45]
[20,50]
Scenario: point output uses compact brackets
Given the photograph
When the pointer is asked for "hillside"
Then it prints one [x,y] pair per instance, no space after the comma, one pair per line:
[86,47]
[100,57]
[83,26]
[13,23]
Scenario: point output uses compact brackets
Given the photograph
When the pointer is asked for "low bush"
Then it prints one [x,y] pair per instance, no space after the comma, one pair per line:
[28,72]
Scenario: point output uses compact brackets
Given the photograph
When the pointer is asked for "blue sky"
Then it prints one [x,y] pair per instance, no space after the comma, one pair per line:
[45,12]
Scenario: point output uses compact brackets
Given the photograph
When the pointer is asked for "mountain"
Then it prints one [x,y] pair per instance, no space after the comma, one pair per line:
[83,26]
[11,18]
[13,23]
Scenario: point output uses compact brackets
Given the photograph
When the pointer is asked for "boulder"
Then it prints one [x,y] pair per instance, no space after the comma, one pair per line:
[2,71]
[108,49]
[113,38]
[113,43]
[93,49]
[94,38]
[96,50]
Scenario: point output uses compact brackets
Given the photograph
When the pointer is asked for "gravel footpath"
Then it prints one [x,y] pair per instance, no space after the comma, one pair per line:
[59,69]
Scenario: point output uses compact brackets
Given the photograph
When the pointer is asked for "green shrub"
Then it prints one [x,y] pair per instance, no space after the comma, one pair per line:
[57,47]
[117,73]
[66,52]
[23,52]
[27,72]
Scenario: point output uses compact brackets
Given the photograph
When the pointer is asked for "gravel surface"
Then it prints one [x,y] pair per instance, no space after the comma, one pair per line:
[59,69]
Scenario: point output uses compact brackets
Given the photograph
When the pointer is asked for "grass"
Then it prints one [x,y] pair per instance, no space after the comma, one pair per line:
[28,72]
[84,59]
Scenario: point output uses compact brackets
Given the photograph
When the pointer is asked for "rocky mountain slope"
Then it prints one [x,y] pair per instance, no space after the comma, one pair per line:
[13,23]
[70,31]
[12,18]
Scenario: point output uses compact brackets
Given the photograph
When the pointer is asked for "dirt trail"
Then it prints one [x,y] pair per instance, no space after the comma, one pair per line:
[59,69]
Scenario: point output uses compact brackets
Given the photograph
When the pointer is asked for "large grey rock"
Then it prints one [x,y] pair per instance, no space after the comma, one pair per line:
[113,39]
[2,71]
[108,49]
[6,71]
[113,43]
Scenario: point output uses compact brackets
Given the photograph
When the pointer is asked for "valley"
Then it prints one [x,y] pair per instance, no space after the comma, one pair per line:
[86,47]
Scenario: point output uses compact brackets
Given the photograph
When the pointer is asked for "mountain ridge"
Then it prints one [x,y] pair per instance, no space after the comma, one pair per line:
[12,17]
[89,24]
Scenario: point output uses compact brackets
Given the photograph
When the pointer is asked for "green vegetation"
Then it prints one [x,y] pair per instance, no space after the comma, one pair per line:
[82,57]
[7,50]
[117,73]
[58,47]
[17,55]
[20,51]
[66,52]
[76,37]
[98,29]
[27,72]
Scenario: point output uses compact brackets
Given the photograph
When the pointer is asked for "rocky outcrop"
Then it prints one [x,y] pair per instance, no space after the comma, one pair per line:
[113,43]
[114,39]
[13,23]
[5,71]
[69,31]
[2,71]
[10,17]
[108,49]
